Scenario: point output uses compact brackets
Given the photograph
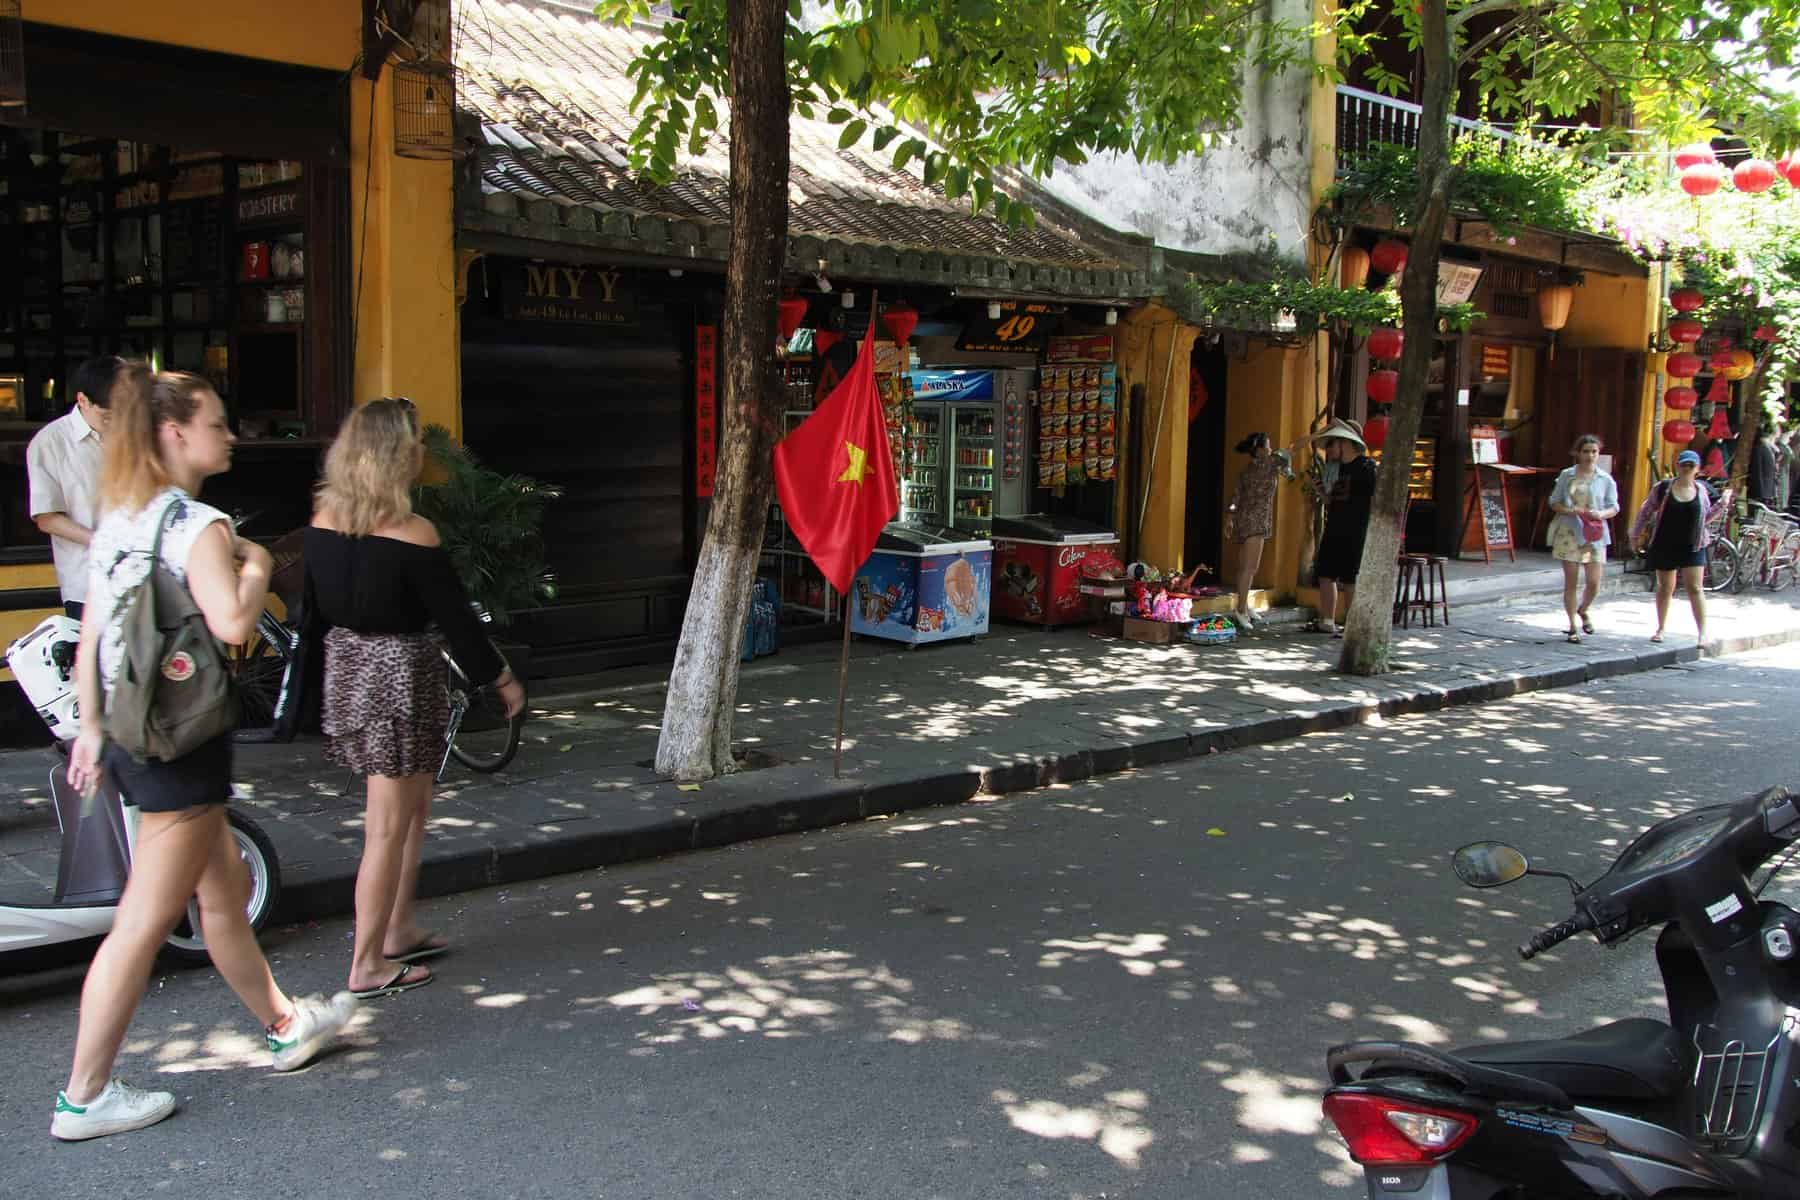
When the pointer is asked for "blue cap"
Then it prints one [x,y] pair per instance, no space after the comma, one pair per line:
[1687,456]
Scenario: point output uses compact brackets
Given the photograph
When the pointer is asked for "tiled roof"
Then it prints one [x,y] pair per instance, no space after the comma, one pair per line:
[542,91]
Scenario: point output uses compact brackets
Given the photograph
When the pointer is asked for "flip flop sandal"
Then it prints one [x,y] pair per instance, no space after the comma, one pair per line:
[1587,624]
[394,986]
[1574,638]
[426,947]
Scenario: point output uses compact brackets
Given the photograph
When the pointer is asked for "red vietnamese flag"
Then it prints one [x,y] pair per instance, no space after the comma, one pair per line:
[835,474]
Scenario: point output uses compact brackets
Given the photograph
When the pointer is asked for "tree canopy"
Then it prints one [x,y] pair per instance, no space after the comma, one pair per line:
[972,88]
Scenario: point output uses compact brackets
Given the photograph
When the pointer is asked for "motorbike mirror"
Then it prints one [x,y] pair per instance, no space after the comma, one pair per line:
[1489,864]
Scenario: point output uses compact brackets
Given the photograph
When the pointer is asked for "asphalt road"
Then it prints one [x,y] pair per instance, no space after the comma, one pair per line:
[1118,988]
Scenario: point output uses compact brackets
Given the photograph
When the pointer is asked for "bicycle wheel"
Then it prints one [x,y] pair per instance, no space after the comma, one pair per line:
[1721,565]
[259,665]
[486,739]
[185,943]
[1749,562]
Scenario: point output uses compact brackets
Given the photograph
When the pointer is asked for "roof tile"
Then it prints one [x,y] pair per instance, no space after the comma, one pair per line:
[549,89]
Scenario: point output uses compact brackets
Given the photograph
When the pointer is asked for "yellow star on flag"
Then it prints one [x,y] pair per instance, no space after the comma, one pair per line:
[859,464]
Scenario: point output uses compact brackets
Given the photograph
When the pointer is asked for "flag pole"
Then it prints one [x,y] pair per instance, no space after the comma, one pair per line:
[837,765]
[837,761]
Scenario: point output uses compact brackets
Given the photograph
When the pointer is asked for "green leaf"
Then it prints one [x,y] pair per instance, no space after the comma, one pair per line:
[982,189]
[910,149]
[884,135]
[956,181]
[852,134]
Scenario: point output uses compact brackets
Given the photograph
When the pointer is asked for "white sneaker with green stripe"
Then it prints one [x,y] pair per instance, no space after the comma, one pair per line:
[316,1021]
[117,1109]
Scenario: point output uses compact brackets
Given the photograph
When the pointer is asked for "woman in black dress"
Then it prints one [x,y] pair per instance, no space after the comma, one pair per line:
[378,576]
[1671,528]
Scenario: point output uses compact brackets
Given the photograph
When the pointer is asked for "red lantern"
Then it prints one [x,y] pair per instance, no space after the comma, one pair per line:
[1686,331]
[1375,431]
[901,319]
[1388,256]
[1686,300]
[1753,175]
[1383,386]
[1678,432]
[1703,179]
[1715,464]
[1788,167]
[1766,333]
[1721,423]
[1684,365]
[1693,155]
[1681,398]
[790,311]
[1386,343]
[1723,361]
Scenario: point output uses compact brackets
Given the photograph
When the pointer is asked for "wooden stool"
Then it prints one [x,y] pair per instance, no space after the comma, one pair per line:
[1421,589]
[1405,582]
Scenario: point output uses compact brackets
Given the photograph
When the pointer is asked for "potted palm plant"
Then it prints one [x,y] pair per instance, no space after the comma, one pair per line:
[492,525]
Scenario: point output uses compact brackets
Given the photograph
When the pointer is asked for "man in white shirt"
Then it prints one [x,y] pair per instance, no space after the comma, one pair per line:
[64,465]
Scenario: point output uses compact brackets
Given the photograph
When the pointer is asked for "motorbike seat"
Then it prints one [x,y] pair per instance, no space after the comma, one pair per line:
[1637,1059]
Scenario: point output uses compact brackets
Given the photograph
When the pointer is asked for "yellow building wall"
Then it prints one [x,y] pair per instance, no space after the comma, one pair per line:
[1155,349]
[1270,391]
[402,211]
[1623,312]
[318,33]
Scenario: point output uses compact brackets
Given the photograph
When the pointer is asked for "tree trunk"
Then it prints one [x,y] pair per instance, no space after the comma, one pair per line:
[1749,427]
[696,730]
[1369,625]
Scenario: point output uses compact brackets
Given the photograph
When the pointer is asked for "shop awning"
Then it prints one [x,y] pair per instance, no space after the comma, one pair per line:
[544,98]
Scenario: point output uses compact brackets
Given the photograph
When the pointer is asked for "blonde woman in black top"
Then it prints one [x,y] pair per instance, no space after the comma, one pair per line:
[378,575]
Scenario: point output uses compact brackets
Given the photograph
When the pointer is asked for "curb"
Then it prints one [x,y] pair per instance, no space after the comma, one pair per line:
[762,804]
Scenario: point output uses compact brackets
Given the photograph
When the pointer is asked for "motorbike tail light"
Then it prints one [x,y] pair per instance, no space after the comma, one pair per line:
[1382,1131]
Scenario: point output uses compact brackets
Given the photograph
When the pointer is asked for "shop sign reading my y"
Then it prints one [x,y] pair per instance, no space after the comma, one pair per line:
[570,292]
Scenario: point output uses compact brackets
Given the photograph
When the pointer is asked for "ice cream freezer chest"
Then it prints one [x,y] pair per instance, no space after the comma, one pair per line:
[1037,568]
[918,588]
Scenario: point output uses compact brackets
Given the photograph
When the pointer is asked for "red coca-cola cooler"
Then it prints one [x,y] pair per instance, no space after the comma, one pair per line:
[1037,567]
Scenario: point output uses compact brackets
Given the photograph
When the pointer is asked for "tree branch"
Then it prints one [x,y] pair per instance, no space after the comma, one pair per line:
[1505,29]
[1456,21]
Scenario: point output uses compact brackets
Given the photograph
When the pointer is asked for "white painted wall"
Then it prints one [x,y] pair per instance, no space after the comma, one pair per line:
[1251,186]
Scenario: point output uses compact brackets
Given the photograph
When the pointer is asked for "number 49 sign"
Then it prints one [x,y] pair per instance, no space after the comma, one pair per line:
[1022,328]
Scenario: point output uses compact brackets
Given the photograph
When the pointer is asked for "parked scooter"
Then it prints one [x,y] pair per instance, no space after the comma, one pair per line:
[97,844]
[1706,1106]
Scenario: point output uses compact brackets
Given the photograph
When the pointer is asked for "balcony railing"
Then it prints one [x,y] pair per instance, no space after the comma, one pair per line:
[1366,118]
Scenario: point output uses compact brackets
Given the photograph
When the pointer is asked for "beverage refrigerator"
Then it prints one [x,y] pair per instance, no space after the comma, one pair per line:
[980,421]
[922,485]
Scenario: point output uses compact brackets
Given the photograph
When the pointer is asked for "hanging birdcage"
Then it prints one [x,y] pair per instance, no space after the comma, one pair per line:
[424,109]
[12,54]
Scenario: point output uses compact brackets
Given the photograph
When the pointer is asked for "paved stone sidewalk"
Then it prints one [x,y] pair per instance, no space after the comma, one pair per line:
[925,727]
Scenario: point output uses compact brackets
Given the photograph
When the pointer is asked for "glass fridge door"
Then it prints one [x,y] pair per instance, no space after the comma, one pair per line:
[922,491]
[973,450]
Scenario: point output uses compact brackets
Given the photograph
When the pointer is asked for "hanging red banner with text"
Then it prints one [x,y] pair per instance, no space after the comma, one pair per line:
[706,409]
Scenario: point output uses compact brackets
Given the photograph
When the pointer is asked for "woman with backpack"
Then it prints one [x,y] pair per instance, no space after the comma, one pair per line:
[166,436]
[378,576]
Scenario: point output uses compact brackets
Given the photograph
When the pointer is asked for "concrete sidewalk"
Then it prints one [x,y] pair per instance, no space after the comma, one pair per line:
[935,726]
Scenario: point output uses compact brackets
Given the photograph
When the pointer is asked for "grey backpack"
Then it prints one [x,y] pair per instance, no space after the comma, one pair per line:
[174,691]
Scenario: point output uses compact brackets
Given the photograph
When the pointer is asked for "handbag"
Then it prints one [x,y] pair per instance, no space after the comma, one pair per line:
[174,692]
[1592,528]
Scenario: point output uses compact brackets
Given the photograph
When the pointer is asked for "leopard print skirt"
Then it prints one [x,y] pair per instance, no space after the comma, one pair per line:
[387,702]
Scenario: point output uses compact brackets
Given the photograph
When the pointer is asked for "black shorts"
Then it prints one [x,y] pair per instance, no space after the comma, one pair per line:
[1340,557]
[202,776]
[1663,558]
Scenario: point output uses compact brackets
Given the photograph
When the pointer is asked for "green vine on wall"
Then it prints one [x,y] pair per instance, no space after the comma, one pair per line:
[1293,305]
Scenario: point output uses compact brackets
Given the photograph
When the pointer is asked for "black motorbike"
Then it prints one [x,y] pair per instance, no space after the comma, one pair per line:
[1708,1106]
